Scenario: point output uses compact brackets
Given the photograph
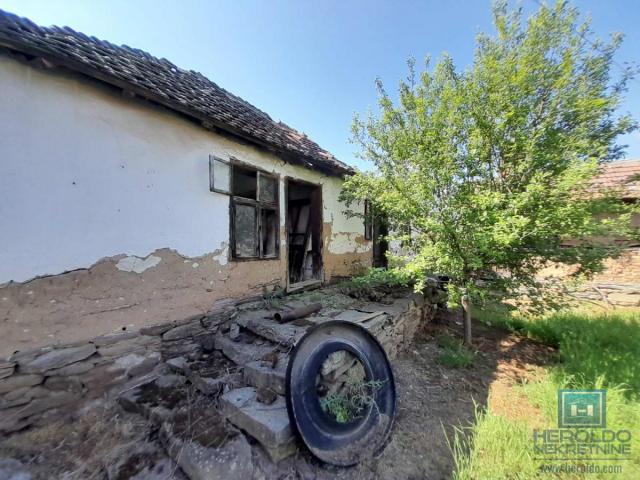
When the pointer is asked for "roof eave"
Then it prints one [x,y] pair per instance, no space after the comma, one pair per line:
[148,94]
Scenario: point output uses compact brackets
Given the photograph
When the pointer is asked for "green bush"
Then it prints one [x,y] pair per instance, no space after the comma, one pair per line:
[376,277]
[376,283]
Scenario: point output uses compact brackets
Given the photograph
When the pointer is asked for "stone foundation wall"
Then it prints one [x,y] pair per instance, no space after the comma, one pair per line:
[46,384]
[39,385]
[398,332]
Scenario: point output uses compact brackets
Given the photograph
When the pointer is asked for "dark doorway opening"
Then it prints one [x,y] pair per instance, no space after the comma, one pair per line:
[304,233]
[380,243]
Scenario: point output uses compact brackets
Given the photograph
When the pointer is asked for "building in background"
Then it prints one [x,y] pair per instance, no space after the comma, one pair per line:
[619,283]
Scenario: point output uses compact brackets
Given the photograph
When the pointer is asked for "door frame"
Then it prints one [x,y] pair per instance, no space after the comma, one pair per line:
[293,287]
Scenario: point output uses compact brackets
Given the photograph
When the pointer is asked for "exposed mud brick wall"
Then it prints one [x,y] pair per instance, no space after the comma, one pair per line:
[345,254]
[39,385]
[346,265]
[83,304]
[617,285]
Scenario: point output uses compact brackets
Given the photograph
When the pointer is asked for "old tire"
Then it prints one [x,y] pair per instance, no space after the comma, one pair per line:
[342,444]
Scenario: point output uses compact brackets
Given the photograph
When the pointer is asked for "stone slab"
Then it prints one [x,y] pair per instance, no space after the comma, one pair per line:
[120,349]
[57,358]
[184,331]
[19,381]
[232,461]
[242,353]
[73,369]
[356,316]
[111,338]
[155,330]
[179,365]
[215,386]
[7,369]
[12,416]
[268,424]
[259,375]
[67,384]
[22,396]
[285,334]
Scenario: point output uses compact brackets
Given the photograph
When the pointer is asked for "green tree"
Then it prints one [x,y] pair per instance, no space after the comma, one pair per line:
[491,167]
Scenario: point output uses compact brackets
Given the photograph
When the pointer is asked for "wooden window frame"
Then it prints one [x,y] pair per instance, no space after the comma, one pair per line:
[212,188]
[258,204]
[368,220]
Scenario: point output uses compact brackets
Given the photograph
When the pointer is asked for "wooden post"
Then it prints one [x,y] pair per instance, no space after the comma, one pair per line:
[466,312]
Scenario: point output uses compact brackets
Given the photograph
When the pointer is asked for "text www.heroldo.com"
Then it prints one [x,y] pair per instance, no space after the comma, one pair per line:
[580,468]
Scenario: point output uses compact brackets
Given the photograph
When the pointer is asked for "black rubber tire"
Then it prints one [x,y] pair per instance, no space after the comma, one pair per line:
[342,444]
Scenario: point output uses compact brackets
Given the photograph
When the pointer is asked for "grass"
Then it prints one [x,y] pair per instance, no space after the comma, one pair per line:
[494,448]
[453,353]
[596,350]
[592,345]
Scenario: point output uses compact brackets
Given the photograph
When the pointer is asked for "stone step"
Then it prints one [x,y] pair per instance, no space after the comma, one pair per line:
[268,424]
[242,353]
[284,334]
[259,374]
[206,447]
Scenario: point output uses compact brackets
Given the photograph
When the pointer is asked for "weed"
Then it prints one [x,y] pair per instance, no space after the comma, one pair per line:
[454,354]
[352,401]
[375,283]
[273,299]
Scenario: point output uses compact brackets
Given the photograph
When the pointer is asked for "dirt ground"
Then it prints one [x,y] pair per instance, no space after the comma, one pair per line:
[432,401]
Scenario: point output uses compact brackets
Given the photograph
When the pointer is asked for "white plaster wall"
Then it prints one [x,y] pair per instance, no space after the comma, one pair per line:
[86,174]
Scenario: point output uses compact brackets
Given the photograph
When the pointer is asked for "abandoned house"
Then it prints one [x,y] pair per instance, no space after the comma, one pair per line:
[133,192]
[617,284]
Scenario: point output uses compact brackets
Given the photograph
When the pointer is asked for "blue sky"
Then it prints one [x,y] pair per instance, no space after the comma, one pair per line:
[312,64]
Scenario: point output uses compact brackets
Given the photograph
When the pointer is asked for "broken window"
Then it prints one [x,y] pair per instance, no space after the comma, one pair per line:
[255,221]
[268,189]
[268,233]
[244,182]
[219,175]
[244,230]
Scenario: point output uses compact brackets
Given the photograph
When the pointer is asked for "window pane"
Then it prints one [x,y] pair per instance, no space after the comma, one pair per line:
[245,230]
[268,189]
[269,231]
[245,182]
[219,175]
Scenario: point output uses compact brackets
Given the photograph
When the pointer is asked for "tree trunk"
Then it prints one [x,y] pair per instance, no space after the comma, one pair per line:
[466,312]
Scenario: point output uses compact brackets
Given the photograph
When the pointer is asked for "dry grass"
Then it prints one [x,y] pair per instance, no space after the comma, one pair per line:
[83,449]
